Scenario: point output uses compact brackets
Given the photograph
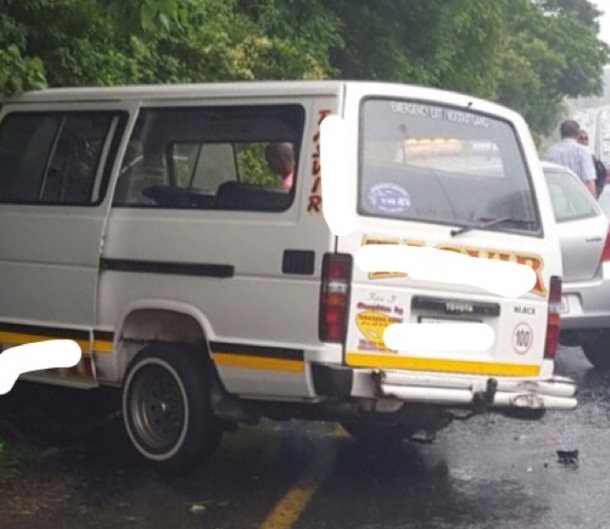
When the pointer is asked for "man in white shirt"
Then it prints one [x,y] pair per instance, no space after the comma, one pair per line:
[569,153]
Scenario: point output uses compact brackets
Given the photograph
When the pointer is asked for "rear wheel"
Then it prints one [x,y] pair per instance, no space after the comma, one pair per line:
[166,408]
[597,351]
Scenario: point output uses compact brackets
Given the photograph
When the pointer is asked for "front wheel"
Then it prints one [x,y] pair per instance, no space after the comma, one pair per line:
[166,408]
[597,351]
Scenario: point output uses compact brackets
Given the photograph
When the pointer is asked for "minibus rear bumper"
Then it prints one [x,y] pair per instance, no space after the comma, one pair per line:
[548,393]
[555,393]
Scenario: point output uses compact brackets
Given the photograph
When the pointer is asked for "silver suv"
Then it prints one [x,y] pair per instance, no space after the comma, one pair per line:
[585,248]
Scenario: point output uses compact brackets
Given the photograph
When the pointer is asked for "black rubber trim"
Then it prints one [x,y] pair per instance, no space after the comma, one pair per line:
[256,350]
[103,335]
[330,381]
[452,306]
[51,332]
[163,267]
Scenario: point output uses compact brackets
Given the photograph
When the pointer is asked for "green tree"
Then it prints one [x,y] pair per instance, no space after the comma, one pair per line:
[444,44]
[527,54]
[550,51]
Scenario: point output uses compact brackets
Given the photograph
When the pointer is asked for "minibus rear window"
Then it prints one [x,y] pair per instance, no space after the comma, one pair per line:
[437,164]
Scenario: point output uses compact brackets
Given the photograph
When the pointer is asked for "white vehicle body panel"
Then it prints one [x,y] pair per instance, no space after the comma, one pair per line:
[116,277]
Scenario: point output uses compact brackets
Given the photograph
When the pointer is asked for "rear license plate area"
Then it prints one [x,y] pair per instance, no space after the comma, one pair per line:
[433,319]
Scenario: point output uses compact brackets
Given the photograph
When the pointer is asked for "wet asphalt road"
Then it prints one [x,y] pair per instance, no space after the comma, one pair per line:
[489,472]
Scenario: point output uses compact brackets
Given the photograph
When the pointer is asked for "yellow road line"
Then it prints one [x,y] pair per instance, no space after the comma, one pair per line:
[290,507]
[441,364]
[258,362]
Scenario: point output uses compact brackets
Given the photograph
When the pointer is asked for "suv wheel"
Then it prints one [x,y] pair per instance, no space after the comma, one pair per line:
[166,408]
[597,351]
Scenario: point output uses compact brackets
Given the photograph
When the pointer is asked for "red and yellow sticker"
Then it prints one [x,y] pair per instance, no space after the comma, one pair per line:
[372,325]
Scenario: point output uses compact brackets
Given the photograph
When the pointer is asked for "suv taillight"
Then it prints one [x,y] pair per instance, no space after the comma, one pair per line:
[552,326]
[334,296]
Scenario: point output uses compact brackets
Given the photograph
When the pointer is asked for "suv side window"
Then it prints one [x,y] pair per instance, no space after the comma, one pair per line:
[571,200]
[238,158]
[52,158]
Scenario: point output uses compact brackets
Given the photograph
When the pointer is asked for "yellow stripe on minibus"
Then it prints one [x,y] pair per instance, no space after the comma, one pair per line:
[258,362]
[17,338]
[356,359]
[102,346]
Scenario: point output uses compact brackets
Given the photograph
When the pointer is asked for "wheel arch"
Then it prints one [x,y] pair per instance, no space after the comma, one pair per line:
[158,320]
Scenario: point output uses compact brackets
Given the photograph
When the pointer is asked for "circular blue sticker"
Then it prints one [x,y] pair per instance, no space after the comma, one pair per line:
[389,198]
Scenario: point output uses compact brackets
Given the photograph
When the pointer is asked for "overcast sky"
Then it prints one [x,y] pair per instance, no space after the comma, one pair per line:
[604,5]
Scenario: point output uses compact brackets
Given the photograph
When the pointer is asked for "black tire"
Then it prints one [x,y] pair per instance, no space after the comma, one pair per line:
[166,408]
[597,351]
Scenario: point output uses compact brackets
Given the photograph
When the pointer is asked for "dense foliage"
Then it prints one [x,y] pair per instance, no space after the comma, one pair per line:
[527,54]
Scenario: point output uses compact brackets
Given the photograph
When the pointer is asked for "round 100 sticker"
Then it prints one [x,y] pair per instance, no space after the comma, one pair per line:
[522,338]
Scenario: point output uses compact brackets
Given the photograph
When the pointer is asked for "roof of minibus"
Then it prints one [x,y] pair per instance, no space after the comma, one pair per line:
[163,91]
[242,89]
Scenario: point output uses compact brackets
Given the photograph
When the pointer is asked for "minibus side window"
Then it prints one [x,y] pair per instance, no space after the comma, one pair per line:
[52,158]
[238,158]
[203,166]
[25,144]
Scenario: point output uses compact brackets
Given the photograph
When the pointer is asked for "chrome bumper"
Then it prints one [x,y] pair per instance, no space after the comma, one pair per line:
[555,393]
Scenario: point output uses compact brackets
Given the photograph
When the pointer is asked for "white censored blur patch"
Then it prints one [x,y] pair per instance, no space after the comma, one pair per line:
[417,338]
[503,278]
[36,356]
[338,187]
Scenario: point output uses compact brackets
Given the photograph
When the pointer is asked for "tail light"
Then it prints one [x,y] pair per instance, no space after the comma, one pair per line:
[552,326]
[606,250]
[334,296]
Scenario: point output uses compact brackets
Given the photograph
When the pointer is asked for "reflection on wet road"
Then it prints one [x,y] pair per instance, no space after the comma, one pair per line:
[487,472]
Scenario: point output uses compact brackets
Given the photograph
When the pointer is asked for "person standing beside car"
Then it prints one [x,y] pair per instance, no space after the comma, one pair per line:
[600,168]
[569,153]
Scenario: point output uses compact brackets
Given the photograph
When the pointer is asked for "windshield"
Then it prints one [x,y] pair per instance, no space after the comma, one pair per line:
[436,164]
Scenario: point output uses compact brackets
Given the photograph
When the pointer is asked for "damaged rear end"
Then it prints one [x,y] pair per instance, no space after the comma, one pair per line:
[441,171]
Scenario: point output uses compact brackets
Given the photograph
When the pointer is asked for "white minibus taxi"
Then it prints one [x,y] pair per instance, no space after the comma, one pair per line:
[178,234]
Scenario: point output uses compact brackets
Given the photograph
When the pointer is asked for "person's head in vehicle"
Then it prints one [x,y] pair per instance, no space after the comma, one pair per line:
[280,158]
